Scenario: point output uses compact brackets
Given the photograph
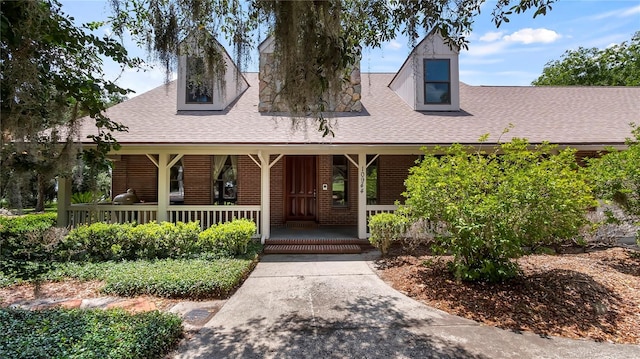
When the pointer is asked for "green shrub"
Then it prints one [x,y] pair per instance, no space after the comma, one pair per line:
[27,243]
[99,242]
[62,333]
[487,207]
[102,241]
[166,240]
[616,176]
[386,228]
[228,239]
[16,226]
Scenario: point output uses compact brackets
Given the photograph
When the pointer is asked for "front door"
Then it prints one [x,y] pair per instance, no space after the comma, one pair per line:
[300,188]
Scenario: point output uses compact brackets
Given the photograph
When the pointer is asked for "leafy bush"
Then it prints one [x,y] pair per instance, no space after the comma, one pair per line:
[166,240]
[62,333]
[171,278]
[386,228]
[27,242]
[102,241]
[487,207]
[99,242]
[616,176]
[229,238]
[15,226]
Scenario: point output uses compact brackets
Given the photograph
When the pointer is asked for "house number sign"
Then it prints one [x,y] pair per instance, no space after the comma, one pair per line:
[362,177]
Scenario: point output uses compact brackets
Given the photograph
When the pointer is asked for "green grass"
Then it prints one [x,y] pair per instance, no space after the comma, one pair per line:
[64,333]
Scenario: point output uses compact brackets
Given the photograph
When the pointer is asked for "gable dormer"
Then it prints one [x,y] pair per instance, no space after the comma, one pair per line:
[429,78]
[348,100]
[196,90]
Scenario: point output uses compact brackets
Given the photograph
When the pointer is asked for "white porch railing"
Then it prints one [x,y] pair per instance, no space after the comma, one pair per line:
[210,215]
[79,214]
[375,209]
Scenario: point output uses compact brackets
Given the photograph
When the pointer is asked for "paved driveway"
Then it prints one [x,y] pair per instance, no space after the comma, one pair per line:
[334,306]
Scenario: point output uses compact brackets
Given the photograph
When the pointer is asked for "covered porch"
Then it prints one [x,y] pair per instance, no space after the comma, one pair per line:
[262,180]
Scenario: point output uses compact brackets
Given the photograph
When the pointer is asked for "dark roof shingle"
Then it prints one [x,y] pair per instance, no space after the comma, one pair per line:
[565,115]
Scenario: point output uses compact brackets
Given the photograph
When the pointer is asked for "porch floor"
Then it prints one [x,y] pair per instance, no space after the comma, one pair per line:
[318,232]
[320,239]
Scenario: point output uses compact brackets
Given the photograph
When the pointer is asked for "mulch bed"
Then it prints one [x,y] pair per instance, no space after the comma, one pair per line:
[593,295]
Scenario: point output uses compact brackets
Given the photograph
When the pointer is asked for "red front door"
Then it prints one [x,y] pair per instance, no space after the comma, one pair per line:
[300,188]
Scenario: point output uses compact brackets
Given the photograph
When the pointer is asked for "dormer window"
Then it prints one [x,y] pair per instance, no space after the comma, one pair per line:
[429,79]
[198,86]
[437,82]
[201,88]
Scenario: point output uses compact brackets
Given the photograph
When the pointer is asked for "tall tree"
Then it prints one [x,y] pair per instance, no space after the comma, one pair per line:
[316,42]
[51,75]
[617,65]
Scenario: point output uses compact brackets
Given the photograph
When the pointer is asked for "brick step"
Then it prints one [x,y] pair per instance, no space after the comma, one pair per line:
[317,241]
[312,249]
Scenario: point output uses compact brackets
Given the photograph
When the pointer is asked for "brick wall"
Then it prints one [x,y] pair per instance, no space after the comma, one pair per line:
[392,171]
[277,192]
[248,182]
[197,180]
[327,213]
[137,172]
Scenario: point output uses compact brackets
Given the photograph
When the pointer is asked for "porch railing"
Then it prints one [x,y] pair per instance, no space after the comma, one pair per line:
[210,215]
[80,214]
[375,209]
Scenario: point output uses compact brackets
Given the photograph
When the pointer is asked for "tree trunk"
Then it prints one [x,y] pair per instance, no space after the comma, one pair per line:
[42,185]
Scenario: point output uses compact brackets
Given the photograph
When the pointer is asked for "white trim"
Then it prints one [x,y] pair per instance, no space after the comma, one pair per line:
[265,194]
[163,186]
[255,161]
[152,159]
[351,160]
[362,195]
[175,160]
[276,160]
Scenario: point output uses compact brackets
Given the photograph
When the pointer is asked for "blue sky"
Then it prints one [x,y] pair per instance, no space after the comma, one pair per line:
[513,54]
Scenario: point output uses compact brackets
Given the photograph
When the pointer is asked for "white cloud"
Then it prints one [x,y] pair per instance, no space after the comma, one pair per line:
[491,36]
[631,11]
[394,45]
[530,36]
[486,50]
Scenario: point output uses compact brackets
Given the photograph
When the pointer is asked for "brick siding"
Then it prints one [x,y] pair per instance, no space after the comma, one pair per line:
[277,192]
[248,182]
[136,172]
[197,180]
[392,172]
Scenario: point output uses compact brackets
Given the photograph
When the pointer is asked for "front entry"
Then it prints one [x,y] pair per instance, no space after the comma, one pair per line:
[300,188]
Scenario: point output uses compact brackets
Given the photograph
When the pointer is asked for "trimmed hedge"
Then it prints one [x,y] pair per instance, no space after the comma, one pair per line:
[64,333]
[170,278]
[103,242]
[229,238]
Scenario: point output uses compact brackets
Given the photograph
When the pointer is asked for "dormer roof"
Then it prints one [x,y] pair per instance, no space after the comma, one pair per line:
[414,86]
[225,91]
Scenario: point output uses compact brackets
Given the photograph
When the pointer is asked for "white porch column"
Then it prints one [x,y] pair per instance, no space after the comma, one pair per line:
[64,201]
[163,186]
[362,195]
[265,195]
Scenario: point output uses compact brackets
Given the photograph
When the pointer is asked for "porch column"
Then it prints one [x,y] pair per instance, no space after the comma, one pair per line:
[265,195]
[362,196]
[64,201]
[163,186]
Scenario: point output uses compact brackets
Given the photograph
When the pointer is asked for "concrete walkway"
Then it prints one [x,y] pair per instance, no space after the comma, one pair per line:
[335,306]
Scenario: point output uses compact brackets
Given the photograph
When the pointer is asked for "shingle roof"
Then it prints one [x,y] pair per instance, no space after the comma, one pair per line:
[565,115]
